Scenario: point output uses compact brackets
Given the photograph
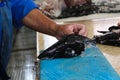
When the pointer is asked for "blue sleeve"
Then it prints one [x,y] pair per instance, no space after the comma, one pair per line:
[20,8]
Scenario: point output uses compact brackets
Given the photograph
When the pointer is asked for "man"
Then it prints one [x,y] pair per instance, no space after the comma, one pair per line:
[19,12]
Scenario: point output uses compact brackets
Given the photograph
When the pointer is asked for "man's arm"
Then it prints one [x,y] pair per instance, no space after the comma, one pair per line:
[36,20]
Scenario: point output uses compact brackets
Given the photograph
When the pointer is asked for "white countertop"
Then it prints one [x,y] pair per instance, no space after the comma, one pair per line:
[89,17]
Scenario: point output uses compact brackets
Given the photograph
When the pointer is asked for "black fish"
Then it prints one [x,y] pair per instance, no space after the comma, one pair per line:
[114,28]
[109,37]
[69,46]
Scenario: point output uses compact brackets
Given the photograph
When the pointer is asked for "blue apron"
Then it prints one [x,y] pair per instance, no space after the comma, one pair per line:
[6,21]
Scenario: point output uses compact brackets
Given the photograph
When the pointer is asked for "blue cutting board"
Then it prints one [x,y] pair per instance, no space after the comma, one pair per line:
[91,65]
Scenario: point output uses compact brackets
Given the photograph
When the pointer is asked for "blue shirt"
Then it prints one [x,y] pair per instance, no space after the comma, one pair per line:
[20,8]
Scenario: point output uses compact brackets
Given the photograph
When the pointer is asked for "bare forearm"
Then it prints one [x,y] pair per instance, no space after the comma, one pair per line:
[36,20]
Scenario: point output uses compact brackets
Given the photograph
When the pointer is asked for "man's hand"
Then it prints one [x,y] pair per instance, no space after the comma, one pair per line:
[67,29]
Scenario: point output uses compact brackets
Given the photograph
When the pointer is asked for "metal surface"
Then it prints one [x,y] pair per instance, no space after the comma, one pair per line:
[22,66]
[22,61]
